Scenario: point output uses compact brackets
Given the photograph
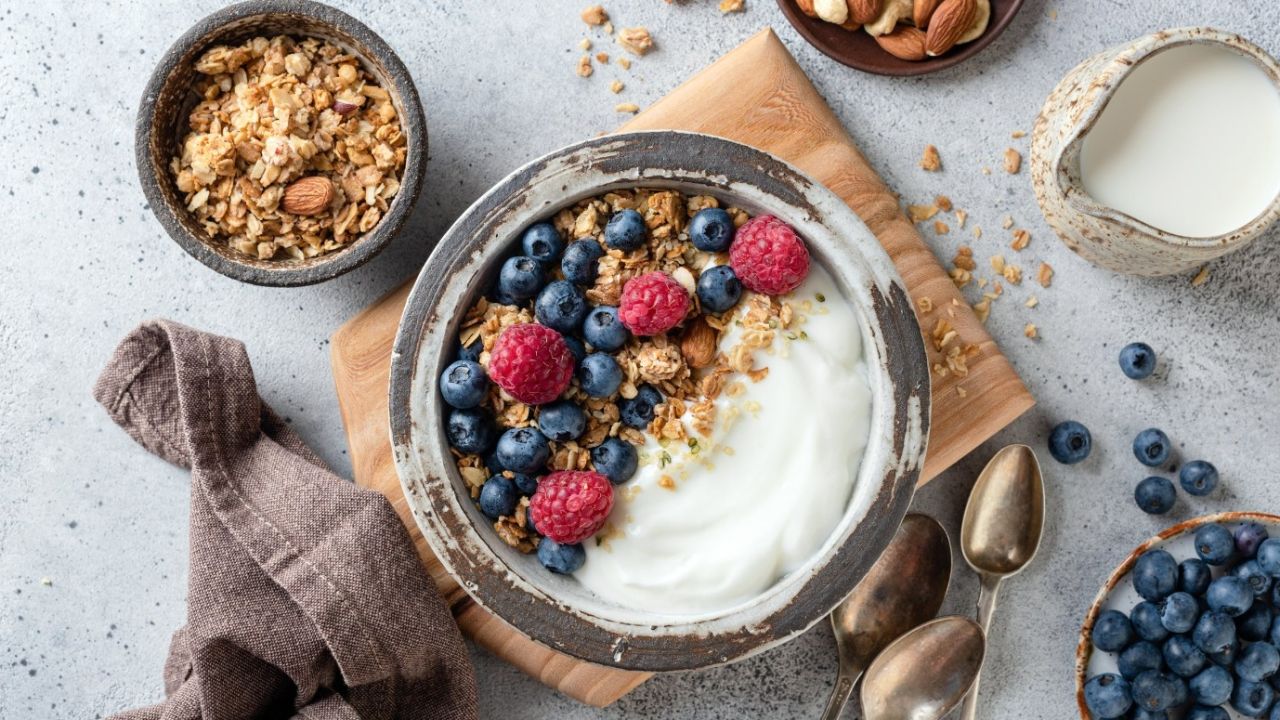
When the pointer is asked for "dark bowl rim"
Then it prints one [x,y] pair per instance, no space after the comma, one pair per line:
[808,28]
[413,122]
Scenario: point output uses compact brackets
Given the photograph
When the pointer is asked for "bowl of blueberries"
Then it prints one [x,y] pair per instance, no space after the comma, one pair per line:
[1188,626]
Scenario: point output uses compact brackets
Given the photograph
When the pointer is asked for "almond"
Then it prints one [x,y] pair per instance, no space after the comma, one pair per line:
[923,11]
[949,23]
[308,196]
[905,43]
[698,344]
[806,7]
[863,11]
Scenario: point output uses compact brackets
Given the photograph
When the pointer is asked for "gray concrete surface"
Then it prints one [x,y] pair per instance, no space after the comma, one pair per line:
[84,261]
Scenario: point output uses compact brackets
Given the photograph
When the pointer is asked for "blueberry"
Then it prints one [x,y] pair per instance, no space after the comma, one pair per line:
[498,497]
[616,459]
[1252,698]
[1274,634]
[1229,594]
[1214,544]
[1138,657]
[1255,624]
[520,279]
[1201,712]
[471,352]
[719,289]
[526,484]
[576,348]
[561,559]
[1070,442]
[562,421]
[599,375]
[1140,714]
[637,412]
[1211,686]
[464,384]
[1155,575]
[470,431]
[1198,477]
[1183,657]
[1112,631]
[1107,696]
[1194,576]
[1251,572]
[561,306]
[1153,690]
[604,330]
[1258,661]
[625,230]
[580,263]
[1214,633]
[1138,360]
[1269,556]
[1179,612]
[524,450]
[1151,447]
[1155,495]
[542,243]
[1248,537]
[1145,618]
[1227,657]
[711,230]
[491,462]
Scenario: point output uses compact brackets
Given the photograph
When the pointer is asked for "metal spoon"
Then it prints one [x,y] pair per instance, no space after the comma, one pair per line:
[925,673]
[904,588]
[1001,530]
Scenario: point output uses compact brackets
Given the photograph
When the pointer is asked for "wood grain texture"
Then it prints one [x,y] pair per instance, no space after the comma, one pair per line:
[759,96]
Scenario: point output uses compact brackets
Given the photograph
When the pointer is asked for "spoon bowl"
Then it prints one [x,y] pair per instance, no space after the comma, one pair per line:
[924,674]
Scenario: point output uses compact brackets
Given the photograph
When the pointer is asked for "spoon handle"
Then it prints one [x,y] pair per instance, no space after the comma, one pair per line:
[841,692]
[986,608]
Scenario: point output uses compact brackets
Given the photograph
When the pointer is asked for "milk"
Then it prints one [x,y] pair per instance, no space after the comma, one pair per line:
[761,496]
[1189,143]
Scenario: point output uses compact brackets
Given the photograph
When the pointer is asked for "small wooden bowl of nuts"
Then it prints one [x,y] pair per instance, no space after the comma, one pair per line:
[281,142]
[900,37]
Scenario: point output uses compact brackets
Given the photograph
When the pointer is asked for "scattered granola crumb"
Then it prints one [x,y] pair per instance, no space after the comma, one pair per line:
[920,213]
[666,482]
[977,232]
[626,108]
[931,161]
[964,258]
[1013,274]
[1021,239]
[602,58]
[730,6]
[608,28]
[1045,275]
[1012,161]
[944,203]
[46,582]
[983,282]
[636,40]
[625,63]
[926,304]
[584,66]
[940,227]
[997,263]
[1032,301]
[616,86]
[982,309]
[1007,222]
[595,15]
[584,43]
[961,392]
[962,217]
[1018,134]
[1030,331]
[986,170]
[1201,277]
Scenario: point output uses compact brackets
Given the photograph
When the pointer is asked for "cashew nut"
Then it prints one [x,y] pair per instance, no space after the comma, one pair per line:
[833,11]
[894,11]
[979,23]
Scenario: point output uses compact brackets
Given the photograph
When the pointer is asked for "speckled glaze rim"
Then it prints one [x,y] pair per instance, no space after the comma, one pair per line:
[555,610]
[819,34]
[158,133]
[1067,170]
[1084,649]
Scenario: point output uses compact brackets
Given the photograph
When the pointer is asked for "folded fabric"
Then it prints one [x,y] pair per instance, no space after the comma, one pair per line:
[306,597]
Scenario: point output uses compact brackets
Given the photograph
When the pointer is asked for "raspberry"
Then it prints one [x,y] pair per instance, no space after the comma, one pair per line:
[571,505]
[531,362]
[653,303]
[768,256]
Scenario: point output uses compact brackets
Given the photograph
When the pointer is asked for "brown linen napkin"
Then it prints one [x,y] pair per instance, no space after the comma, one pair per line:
[305,596]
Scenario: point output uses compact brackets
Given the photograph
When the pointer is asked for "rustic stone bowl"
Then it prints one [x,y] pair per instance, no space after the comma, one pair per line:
[556,610]
[168,99]
[1118,593]
[860,51]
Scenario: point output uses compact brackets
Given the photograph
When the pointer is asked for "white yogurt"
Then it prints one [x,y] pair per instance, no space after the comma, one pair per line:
[761,496]
[1189,143]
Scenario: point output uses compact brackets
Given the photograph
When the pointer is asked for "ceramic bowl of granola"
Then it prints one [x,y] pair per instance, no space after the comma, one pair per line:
[281,142]
[659,400]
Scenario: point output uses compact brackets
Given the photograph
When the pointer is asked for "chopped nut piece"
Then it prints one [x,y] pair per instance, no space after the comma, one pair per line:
[997,263]
[1021,239]
[616,86]
[931,161]
[602,58]
[964,258]
[1030,331]
[1007,222]
[920,213]
[961,392]
[961,218]
[1018,134]
[595,15]
[1045,275]
[625,63]
[1012,161]
[626,108]
[977,232]
[729,6]
[584,66]
[982,309]
[1013,274]
[1201,277]
[584,43]
[1032,302]
[608,28]
[636,40]
[943,202]
[940,227]
[925,304]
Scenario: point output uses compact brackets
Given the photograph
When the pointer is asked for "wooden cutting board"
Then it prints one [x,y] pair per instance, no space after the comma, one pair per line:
[759,96]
